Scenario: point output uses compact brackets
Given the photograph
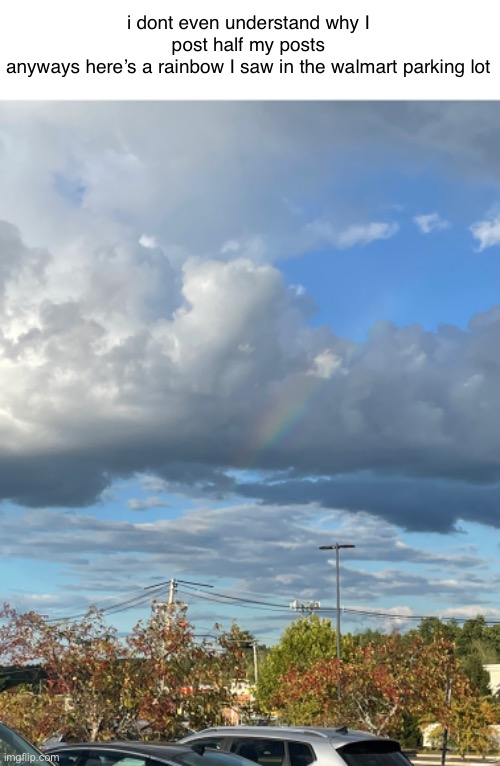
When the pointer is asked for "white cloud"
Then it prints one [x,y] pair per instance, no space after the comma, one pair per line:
[364,234]
[431,222]
[486,232]
[148,241]
[187,372]
[321,231]
[326,364]
[470,612]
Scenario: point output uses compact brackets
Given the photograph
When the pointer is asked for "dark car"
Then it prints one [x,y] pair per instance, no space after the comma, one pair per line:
[15,749]
[140,754]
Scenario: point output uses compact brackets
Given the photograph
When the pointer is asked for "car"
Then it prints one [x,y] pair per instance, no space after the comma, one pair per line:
[15,749]
[133,753]
[301,746]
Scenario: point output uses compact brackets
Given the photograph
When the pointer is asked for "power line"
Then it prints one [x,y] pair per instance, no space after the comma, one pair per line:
[243,603]
[247,600]
[121,606]
[268,606]
[190,588]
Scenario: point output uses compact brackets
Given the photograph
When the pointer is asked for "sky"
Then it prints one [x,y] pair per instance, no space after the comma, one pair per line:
[233,332]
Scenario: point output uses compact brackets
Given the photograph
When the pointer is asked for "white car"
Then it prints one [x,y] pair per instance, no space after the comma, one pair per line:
[301,746]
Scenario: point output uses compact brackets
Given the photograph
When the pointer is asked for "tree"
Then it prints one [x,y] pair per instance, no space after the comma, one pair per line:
[381,684]
[240,643]
[182,681]
[84,663]
[473,631]
[409,734]
[100,686]
[470,721]
[431,628]
[305,642]
[34,715]
[368,636]
[86,666]
[472,667]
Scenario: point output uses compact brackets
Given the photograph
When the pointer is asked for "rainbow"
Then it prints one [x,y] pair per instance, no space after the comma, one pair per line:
[282,420]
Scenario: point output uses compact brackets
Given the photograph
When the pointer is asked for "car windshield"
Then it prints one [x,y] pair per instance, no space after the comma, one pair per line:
[15,750]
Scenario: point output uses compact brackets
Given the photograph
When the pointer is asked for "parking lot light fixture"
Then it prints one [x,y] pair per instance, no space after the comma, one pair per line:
[336,547]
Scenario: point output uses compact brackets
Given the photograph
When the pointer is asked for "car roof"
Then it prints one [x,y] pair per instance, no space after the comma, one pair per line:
[338,736]
[142,748]
[160,751]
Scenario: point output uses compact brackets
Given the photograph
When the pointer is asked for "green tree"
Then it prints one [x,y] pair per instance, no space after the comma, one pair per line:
[472,667]
[472,632]
[431,628]
[305,642]
[368,636]
[242,641]
[409,734]
[492,640]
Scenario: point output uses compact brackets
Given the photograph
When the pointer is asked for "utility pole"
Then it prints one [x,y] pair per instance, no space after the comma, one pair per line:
[172,590]
[171,594]
[444,748]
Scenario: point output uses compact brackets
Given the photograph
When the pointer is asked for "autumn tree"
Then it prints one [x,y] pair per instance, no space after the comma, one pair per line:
[35,715]
[182,680]
[475,645]
[470,721]
[378,684]
[100,686]
[381,684]
[86,666]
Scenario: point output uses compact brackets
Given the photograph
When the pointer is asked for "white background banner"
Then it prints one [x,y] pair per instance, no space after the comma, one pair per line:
[153,49]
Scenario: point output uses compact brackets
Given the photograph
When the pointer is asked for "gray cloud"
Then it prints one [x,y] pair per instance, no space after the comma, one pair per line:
[88,398]
[249,173]
[145,504]
[136,340]
[415,503]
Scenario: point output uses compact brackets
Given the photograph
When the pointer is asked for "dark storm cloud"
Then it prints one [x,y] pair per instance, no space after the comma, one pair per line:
[414,504]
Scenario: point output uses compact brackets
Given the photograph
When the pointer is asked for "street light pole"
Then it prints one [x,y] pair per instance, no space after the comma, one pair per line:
[336,547]
[255,661]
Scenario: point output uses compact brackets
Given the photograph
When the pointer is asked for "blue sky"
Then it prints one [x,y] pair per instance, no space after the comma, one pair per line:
[411,278]
[233,332]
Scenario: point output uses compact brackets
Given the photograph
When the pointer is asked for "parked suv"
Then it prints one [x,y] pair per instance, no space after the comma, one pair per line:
[294,746]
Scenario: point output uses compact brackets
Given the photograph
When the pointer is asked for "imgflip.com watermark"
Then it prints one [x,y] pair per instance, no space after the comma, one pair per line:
[29,758]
